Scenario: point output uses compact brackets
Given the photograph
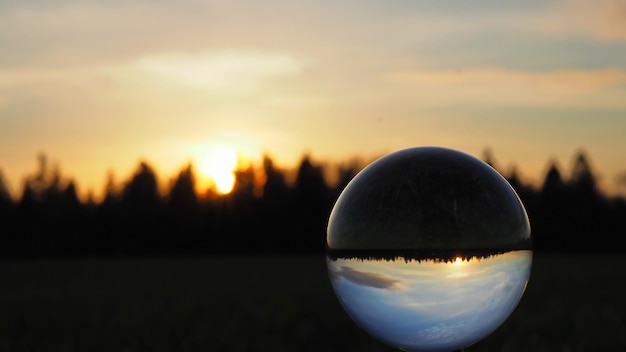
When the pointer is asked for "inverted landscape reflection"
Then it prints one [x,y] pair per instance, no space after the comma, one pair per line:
[431,305]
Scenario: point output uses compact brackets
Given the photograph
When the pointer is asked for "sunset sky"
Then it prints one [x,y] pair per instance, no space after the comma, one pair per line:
[97,85]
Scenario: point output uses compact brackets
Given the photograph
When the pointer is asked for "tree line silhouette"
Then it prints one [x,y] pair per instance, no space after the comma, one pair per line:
[416,255]
[136,218]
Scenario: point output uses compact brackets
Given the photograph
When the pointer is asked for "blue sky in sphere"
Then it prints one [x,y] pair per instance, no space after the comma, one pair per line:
[431,306]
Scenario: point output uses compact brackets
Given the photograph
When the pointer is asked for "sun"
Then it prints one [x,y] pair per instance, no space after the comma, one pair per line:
[219,165]
[458,261]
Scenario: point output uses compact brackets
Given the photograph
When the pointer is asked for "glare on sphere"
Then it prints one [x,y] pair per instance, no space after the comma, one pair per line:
[429,249]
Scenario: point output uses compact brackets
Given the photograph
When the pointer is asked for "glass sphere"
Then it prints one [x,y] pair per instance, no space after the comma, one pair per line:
[429,249]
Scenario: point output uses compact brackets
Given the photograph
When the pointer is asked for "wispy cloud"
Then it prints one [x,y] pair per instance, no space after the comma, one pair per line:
[183,75]
[603,20]
[370,279]
[568,79]
[316,73]
[14,78]
[223,70]
[497,87]
[71,33]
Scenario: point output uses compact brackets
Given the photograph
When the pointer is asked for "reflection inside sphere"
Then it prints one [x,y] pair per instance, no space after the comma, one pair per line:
[427,305]
[429,249]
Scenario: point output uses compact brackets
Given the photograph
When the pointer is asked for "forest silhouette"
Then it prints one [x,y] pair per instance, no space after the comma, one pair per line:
[416,255]
[135,217]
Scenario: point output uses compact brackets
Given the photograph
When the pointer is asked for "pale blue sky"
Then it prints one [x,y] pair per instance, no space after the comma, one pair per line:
[98,85]
[416,304]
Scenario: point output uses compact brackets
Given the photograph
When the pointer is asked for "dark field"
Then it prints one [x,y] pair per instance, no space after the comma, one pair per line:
[572,303]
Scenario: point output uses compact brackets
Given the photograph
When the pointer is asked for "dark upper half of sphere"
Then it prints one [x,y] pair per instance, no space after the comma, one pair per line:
[428,198]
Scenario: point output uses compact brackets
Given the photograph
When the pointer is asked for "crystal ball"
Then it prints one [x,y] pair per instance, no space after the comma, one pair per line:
[429,249]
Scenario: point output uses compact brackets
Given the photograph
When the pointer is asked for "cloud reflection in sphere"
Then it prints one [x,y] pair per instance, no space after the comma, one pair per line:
[429,249]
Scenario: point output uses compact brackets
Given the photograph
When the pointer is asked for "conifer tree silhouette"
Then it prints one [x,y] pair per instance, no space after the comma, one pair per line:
[567,210]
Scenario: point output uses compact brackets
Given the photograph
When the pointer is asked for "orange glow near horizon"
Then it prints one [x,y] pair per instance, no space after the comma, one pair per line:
[217,169]
[278,88]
